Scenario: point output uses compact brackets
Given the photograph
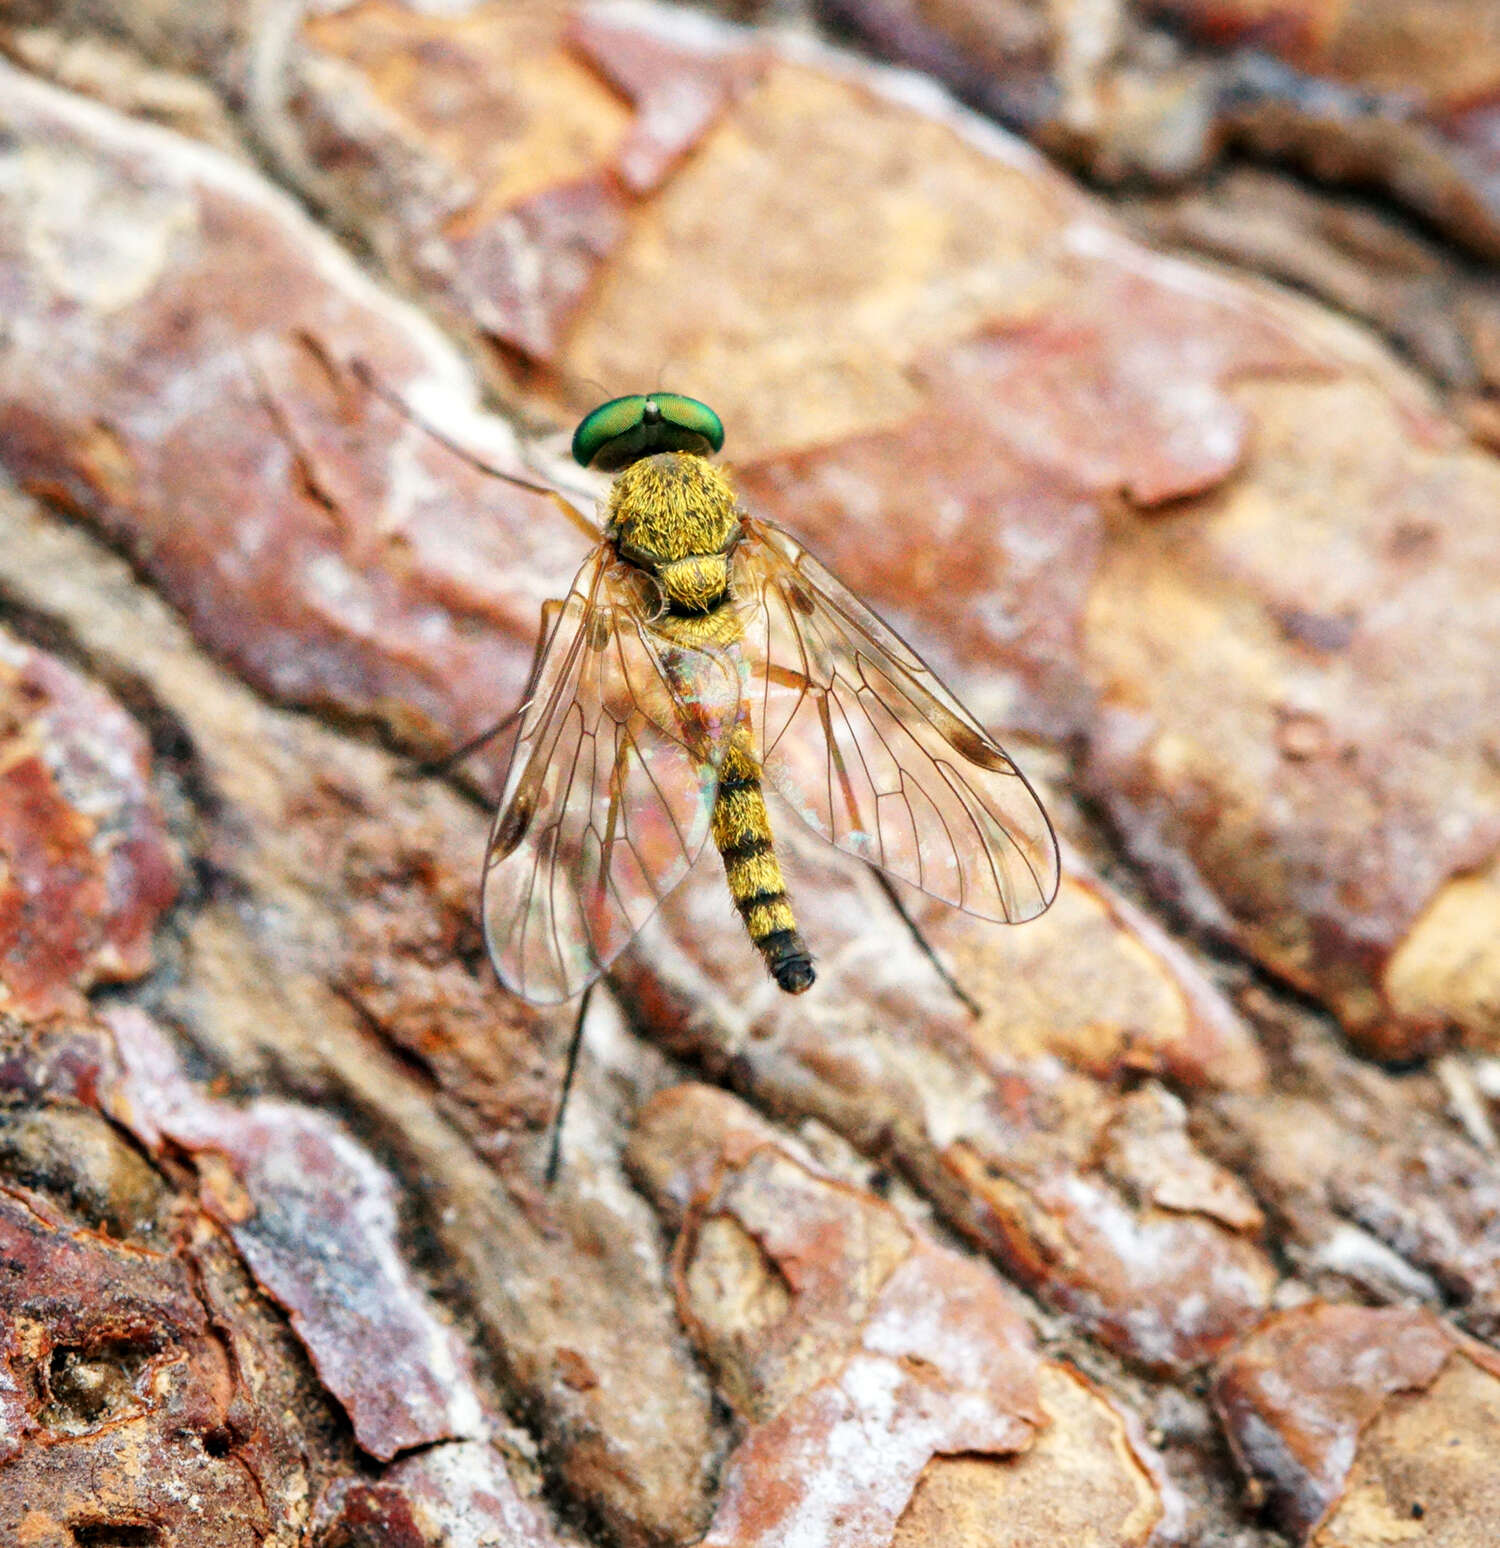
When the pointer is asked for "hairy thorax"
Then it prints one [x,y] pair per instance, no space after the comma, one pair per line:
[671,507]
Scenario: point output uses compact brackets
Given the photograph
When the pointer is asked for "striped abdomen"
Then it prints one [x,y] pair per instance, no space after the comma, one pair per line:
[696,589]
[742,833]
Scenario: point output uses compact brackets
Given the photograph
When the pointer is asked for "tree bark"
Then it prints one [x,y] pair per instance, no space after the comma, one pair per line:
[1188,1236]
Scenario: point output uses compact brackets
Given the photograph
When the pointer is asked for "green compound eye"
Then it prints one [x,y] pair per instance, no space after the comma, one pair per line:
[607,423]
[690,417]
[623,430]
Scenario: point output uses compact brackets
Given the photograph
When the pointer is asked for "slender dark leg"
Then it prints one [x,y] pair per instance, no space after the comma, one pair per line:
[579,518]
[554,1150]
[436,768]
[959,992]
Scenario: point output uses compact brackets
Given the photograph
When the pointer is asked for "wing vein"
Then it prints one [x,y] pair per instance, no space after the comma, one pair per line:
[891,767]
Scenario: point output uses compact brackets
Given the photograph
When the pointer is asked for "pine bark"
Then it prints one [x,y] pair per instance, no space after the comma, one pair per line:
[1188,1236]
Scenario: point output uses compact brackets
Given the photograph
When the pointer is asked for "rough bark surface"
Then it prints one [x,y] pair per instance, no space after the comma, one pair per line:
[1190,1235]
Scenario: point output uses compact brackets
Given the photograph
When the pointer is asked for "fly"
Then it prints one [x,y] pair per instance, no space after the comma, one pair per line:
[701,655]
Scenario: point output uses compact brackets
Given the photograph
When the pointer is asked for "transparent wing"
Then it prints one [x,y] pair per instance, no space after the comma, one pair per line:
[872,751]
[610,788]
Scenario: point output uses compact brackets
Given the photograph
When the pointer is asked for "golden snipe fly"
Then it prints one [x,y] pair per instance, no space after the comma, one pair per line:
[702,654]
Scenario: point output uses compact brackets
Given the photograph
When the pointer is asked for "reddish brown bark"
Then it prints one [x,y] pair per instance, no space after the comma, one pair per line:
[860,1268]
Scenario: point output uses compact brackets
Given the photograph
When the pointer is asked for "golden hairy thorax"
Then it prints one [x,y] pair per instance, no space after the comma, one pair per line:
[671,507]
[675,516]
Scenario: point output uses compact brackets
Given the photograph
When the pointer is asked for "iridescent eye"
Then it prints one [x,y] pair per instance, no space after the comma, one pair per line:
[624,429]
[691,417]
[609,422]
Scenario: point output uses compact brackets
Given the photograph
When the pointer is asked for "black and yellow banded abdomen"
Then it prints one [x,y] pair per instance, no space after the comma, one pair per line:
[742,835]
[676,516]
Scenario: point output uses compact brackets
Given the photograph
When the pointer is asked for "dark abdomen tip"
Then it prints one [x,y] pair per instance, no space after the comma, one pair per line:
[796,975]
[787,957]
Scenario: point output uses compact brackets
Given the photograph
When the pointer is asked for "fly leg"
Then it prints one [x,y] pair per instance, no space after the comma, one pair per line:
[578,518]
[437,768]
[926,946]
[575,1042]
[886,886]
[611,827]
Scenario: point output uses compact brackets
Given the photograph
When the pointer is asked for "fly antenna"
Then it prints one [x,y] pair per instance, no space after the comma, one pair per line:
[572,388]
[662,372]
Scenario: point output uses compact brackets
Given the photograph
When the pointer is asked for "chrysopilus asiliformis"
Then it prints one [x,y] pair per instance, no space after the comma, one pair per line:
[702,654]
